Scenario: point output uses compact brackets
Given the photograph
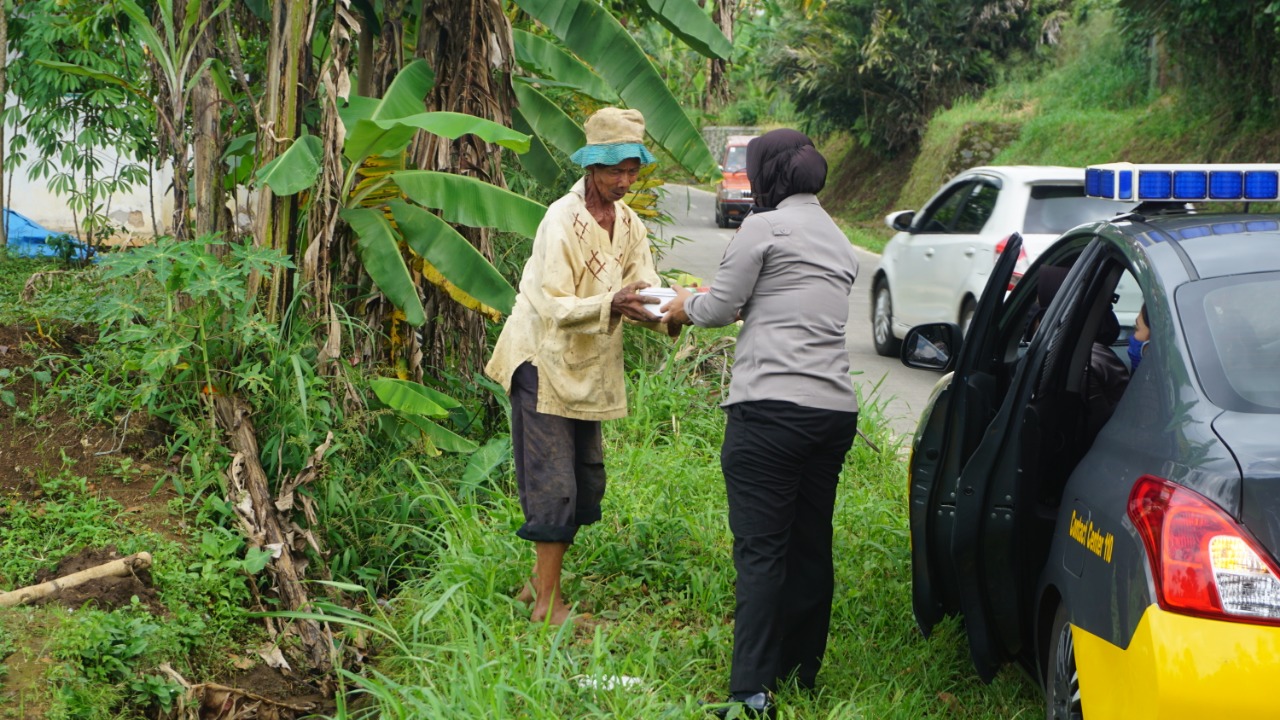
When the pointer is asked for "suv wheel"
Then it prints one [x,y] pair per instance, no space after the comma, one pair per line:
[882,321]
[721,220]
[1062,687]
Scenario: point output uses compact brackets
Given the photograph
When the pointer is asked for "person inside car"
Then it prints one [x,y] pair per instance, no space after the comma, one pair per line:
[1139,339]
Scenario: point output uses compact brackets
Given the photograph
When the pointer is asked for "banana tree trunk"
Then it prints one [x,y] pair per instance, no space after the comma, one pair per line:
[468,42]
[207,165]
[287,54]
[328,261]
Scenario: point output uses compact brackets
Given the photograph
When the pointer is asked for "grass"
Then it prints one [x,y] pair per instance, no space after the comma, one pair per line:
[93,662]
[657,577]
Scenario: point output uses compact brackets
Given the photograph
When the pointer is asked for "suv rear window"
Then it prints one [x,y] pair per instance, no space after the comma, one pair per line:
[1055,209]
[1233,332]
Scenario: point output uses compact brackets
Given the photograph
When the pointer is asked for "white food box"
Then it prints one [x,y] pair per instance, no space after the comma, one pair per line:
[657,297]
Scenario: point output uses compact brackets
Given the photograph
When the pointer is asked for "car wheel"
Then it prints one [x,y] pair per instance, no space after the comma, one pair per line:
[1062,687]
[966,315]
[882,322]
[721,220]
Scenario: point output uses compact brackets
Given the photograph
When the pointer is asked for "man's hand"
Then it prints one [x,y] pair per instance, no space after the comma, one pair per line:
[627,303]
[674,309]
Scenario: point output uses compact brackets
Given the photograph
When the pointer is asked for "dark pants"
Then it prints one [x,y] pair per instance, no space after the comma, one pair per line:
[559,465]
[781,465]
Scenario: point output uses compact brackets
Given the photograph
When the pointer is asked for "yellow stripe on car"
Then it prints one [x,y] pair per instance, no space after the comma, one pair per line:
[1177,666]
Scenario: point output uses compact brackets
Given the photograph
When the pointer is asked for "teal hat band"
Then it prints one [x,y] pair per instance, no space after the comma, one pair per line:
[589,155]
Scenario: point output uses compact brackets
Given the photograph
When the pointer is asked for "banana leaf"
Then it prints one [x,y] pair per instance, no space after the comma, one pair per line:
[595,36]
[691,24]
[452,256]
[542,57]
[412,398]
[295,169]
[379,250]
[549,122]
[486,460]
[471,202]
[415,402]
[440,437]
[378,134]
[538,162]
[386,137]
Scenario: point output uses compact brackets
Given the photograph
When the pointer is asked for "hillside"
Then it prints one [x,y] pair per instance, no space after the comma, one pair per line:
[1095,102]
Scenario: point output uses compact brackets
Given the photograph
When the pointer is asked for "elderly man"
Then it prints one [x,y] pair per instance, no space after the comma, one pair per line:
[560,353]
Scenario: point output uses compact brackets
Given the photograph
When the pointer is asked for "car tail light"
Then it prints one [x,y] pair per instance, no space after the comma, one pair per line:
[1020,267]
[1204,563]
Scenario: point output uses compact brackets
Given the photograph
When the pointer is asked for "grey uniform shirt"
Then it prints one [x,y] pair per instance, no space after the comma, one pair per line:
[790,272]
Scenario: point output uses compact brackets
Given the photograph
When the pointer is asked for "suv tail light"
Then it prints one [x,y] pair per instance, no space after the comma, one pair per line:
[1019,268]
[1204,563]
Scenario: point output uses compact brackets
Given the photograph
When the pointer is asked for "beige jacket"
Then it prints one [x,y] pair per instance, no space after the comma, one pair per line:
[562,321]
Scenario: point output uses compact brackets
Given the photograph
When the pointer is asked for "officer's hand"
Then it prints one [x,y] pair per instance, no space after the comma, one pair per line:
[674,309]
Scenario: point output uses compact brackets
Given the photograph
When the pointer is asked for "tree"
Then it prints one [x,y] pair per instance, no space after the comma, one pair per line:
[79,131]
[882,67]
[723,14]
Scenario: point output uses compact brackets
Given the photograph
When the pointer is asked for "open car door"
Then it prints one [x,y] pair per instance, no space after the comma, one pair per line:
[953,430]
[1024,452]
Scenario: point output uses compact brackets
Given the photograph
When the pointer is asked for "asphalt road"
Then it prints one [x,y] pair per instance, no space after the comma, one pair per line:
[699,244]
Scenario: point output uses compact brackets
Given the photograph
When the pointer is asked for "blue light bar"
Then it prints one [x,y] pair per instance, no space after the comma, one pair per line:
[1246,182]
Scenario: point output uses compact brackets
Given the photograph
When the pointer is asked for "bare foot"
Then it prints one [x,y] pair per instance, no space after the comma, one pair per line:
[557,614]
[526,594]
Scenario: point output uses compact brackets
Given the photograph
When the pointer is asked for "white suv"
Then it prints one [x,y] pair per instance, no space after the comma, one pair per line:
[935,268]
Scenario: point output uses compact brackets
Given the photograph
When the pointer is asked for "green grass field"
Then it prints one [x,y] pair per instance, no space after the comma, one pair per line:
[657,579]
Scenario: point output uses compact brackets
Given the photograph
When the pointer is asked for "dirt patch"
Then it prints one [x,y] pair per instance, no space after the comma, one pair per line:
[274,695]
[40,439]
[108,593]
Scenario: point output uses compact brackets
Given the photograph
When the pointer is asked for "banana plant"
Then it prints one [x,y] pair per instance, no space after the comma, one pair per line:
[390,207]
[602,47]
[603,53]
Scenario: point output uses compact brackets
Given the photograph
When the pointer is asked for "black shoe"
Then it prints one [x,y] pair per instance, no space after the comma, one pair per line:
[746,706]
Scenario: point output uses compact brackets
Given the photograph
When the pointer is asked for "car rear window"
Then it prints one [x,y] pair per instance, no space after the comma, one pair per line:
[1055,209]
[1233,331]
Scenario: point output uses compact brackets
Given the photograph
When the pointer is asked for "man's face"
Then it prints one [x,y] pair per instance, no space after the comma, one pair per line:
[614,181]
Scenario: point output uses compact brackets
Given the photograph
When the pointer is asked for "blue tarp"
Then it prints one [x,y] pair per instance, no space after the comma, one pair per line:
[27,237]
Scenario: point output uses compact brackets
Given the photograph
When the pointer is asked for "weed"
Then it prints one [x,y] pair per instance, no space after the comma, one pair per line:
[103,657]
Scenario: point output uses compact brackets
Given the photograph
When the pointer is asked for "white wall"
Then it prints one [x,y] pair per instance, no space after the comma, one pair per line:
[132,210]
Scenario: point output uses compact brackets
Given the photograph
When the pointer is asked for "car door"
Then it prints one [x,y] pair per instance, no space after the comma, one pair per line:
[916,300]
[1025,453]
[951,431]
[957,252]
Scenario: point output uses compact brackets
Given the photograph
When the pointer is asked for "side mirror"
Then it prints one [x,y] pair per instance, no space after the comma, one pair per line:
[932,347]
[900,220]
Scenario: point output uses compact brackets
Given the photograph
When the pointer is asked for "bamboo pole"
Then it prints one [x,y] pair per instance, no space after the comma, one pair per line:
[116,568]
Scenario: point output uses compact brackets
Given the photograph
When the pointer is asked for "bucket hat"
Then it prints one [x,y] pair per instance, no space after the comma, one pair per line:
[613,135]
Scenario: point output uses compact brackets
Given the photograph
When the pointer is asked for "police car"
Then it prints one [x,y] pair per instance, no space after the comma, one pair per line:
[1124,553]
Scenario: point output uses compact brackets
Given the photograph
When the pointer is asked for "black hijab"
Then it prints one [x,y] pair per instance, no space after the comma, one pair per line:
[782,163]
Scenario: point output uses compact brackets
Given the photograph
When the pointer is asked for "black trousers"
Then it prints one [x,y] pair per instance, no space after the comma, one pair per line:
[781,464]
[559,465]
